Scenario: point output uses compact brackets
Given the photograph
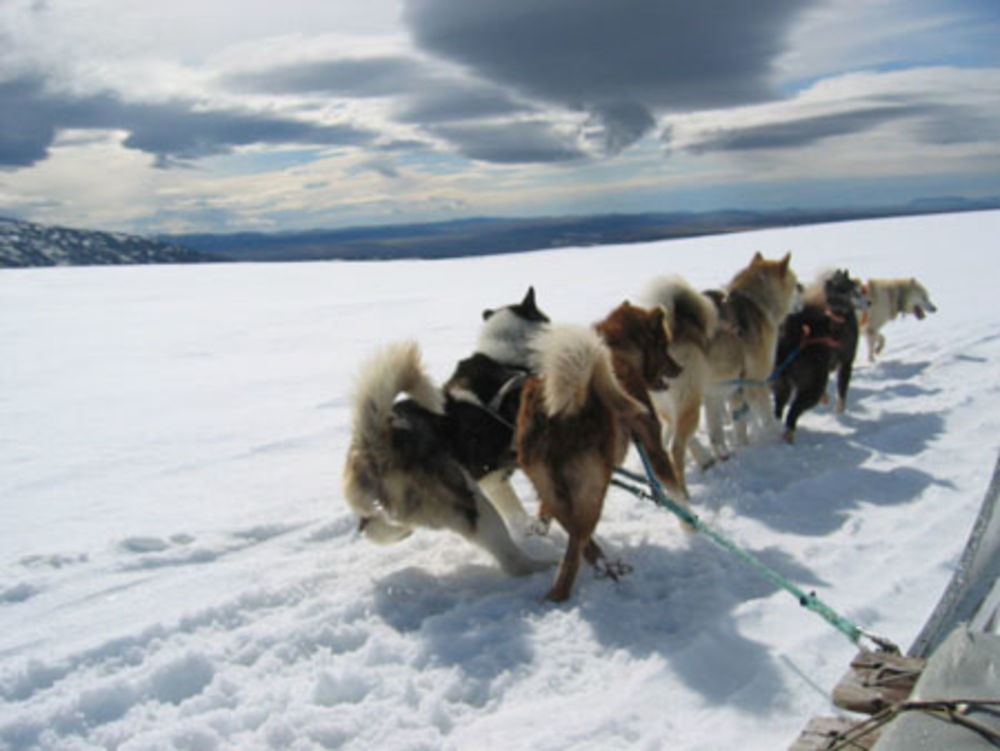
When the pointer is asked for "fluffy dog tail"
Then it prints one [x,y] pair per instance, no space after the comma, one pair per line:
[692,314]
[395,370]
[574,362]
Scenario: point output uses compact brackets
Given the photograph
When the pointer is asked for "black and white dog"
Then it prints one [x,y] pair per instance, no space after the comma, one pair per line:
[443,457]
[819,339]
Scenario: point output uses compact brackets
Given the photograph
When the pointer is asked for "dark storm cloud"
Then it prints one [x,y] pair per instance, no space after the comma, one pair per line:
[371,77]
[621,124]
[31,117]
[454,102]
[426,96]
[671,54]
[174,131]
[512,143]
[806,131]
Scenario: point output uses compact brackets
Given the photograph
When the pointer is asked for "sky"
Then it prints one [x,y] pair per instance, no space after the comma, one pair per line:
[236,115]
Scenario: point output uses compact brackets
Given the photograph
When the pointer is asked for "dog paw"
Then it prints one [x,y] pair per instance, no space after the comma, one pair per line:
[841,405]
[788,437]
[613,570]
[538,528]
[556,594]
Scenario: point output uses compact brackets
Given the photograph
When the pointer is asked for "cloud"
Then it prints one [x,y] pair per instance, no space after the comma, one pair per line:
[362,77]
[25,132]
[508,143]
[619,61]
[452,102]
[617,126]
[173,130]
[381,167]
[931,107]
[31,117]
[803,131]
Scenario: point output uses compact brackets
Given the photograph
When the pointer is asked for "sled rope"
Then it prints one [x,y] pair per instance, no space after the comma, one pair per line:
[783,365]
[955,711]
[653,491]
[740,412]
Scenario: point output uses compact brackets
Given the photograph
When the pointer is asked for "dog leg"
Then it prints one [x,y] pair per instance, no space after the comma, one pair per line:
[492,534]
[759,398]
[701,455]
[687,424]
[843,383]
[568,569]
[805,399]
[715,417]
[497,488]
[741,408]
[870,341]
[576,491]
[605,567]
[782,390]
[646,430]
[474,517]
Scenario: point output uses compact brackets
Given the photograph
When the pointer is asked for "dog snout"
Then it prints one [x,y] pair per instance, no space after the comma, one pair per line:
[671,369]
[798,299]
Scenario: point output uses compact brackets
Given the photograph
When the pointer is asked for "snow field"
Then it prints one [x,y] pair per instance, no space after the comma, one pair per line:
[178,570]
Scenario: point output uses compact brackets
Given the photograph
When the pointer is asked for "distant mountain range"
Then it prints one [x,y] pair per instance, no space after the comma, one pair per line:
[486,236]
[28,244]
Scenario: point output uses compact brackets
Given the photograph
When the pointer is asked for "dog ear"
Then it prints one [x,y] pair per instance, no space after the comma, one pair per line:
[659,320]
[487,313]
[785,261]
[529,299]
[757,258]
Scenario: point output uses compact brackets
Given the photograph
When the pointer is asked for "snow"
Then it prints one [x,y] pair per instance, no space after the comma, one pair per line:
[178,569]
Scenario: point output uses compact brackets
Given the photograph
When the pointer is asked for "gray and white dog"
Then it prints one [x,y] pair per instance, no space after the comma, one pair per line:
[443,457]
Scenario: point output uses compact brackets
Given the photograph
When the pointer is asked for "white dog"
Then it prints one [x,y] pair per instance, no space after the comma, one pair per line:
[889,299]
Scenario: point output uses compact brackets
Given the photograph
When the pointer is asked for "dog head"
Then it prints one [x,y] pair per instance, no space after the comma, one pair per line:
[771,284]
[642,336]
[917,300]
[527,309]
[839,287]
[507,332]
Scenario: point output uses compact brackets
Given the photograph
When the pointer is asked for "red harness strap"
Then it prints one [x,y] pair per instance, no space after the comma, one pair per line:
[829,341]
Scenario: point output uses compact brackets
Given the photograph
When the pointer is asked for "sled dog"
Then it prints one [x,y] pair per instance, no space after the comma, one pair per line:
[819,339]
[591,395]
[729,354]
[692,320]
[417,462]
[483,395]
[891,298]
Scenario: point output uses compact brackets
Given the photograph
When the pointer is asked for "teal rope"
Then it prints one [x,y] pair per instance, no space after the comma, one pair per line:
[770,379]
[807,600]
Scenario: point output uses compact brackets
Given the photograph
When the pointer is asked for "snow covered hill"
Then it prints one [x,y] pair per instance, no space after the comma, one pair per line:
[178,569]
[29,244]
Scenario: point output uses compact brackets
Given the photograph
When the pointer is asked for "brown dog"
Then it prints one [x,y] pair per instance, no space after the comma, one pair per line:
[591,395]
